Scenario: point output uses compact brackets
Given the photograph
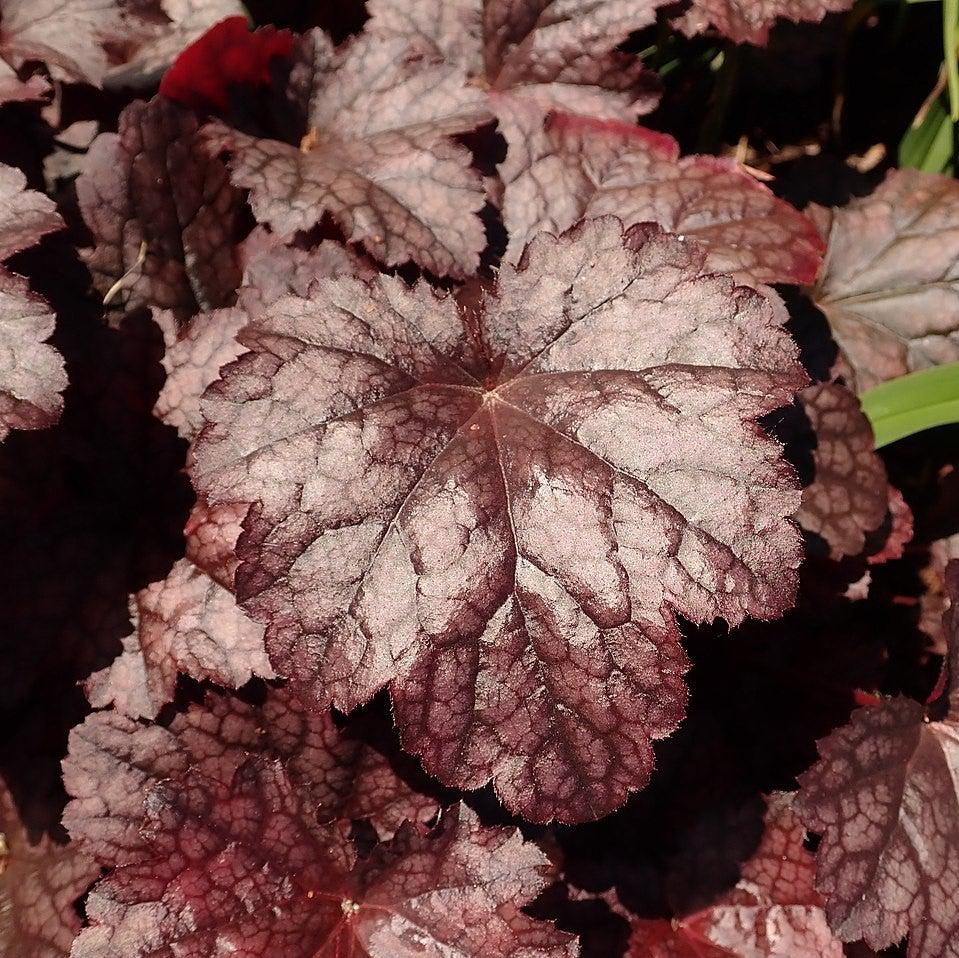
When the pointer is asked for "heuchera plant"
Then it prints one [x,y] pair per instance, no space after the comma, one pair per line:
[442,517]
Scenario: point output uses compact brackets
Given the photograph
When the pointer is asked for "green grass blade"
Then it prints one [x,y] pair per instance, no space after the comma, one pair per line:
[950,36]
[913,403]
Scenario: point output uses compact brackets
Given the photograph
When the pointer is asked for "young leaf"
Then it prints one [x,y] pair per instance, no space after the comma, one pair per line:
[379,157]
[413,502]
[226,57]
[40,882]
[883,797]
[243,868]
[774,911]
[566,167]
[114,763]
[162,212]
[551,51]
[749,21]
[890,283]
[849,496]
[31,372]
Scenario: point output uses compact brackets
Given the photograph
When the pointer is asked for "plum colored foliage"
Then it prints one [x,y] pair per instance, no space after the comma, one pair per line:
[562,167]
[446,566]
[883,796]
[889,282]
[440,516]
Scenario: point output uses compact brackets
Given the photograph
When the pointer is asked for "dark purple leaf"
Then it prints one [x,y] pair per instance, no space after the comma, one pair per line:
[162,212]
[243,868]
[849,495]
[884,799]
[115,762]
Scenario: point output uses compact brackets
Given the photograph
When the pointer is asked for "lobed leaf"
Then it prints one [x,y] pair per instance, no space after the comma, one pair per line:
[379,157]
[243,868]
[32,375]
[564,167]
[505,537]
[162,212]
[114,763]
[557,52]
[888,286]
[849,496]
[883,797]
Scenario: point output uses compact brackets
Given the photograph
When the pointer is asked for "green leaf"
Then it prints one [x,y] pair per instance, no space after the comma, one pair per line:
[929,146]
[909,404]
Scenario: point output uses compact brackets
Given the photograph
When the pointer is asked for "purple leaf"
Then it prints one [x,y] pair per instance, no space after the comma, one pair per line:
[504,534]
[564,167]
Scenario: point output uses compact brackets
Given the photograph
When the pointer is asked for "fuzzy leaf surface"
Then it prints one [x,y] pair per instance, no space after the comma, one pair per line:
[243,868]
[152,187]
[883,797]
[379,158]
[773,912]
[114,762]
[505,534]
[565,167]
[890,282]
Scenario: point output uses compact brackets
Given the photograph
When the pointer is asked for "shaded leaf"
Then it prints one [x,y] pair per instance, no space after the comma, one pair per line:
[254,874]
[773,912]
[564,167]
[506,538]
[114,763]
[162,212]
[379,157]
[883,797]
[849,495]
[889,282]
[40,882]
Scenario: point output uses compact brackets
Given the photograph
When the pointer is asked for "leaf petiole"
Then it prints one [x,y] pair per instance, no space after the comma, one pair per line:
[909,404]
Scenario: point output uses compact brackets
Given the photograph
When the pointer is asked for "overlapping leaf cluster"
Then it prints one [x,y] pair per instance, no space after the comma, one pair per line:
[413,420]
